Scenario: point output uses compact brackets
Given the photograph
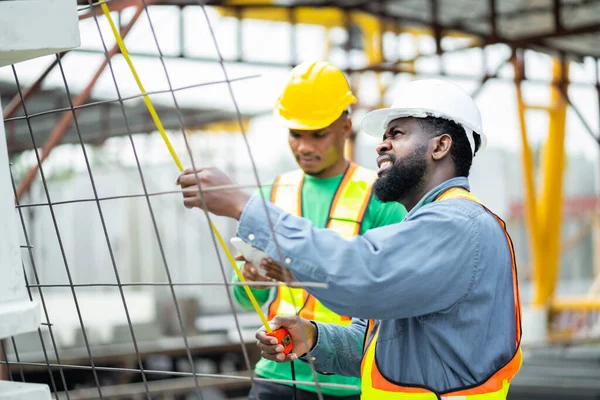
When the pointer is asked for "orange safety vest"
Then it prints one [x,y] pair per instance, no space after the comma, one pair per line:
[345,217]
[376,386]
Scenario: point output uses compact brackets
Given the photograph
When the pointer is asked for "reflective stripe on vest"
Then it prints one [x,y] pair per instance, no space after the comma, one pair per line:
[376,386]
[345,217]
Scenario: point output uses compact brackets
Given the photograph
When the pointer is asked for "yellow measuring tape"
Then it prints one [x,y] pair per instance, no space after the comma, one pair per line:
[161,129]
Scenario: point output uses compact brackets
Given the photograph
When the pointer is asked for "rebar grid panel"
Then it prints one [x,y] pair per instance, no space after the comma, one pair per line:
[53,362]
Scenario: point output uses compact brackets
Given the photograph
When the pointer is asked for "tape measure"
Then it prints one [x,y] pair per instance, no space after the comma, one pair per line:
[283,338]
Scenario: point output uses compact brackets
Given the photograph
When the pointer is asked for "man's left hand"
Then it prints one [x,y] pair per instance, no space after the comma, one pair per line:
[224,202]
[276,271]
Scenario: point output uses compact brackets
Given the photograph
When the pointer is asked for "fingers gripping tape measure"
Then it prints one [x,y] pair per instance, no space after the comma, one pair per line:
[283,338]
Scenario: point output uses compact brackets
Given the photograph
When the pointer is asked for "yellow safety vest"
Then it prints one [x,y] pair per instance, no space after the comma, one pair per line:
[346,216]
[376,387]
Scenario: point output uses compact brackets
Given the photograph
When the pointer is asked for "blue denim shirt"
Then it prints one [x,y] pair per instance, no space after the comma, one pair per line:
[440,281]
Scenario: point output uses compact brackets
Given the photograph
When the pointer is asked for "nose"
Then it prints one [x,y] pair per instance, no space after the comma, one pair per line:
[305,147]
[383,147]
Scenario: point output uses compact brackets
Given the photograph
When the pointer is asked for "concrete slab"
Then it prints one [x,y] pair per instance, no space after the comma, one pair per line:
[35,28]
[17,313]
[23,391]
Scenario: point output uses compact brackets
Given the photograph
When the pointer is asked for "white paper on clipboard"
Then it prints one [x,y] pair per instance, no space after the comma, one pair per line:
[251,254]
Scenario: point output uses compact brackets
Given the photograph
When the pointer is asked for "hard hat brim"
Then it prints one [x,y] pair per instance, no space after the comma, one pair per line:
[375,123]
[305,125]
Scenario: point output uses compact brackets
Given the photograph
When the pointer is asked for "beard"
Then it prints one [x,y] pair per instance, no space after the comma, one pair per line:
[404,176]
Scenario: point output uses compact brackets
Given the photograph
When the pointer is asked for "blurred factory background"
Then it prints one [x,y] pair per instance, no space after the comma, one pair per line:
[531,65]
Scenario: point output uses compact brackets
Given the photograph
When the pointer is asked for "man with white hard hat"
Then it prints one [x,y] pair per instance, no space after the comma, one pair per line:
[435,298]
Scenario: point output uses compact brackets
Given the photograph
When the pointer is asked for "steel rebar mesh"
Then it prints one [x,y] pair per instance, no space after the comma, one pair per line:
[106,368]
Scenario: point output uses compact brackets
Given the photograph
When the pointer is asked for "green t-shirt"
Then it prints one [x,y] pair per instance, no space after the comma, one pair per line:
[317,196]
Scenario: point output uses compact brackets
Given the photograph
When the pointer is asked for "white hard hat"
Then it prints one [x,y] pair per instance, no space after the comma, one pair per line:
[429,98]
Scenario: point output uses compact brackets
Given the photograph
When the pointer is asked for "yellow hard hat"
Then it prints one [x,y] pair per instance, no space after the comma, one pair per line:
[314,97]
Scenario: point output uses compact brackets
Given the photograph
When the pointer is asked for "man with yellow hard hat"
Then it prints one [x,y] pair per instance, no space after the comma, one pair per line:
[331,192]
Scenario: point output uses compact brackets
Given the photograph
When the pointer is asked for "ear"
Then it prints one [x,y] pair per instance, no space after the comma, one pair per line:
[347,127]
[441,147]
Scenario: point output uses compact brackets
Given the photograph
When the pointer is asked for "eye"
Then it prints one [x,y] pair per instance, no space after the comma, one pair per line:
[294,135]
[321,135]
[392,134]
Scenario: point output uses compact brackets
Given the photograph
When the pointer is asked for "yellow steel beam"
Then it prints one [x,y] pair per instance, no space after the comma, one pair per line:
[575,304]
[327,16]
[534,232]
[372,32]
[547,108]
[544,215]
[550,206]
[250,2]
